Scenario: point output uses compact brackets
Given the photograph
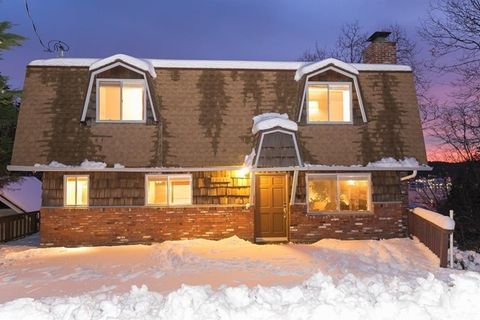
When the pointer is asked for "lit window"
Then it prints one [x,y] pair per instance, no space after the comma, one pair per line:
[329,102]
[338,193]
[76,191]
[121,100]
[166,190]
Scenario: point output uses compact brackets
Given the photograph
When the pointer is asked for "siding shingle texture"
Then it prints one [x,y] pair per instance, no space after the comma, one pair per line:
[205,119]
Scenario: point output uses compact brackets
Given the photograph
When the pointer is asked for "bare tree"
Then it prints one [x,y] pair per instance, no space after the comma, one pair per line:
[452,29]
[351,42]
[458,127]
[316,54]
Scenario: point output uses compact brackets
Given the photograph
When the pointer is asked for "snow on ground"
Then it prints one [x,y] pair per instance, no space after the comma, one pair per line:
[234,279]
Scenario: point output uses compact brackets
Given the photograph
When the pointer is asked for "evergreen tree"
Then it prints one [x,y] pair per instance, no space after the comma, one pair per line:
[9,103]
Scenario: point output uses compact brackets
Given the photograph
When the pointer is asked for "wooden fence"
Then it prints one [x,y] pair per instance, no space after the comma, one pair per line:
[431,235]
[19,225]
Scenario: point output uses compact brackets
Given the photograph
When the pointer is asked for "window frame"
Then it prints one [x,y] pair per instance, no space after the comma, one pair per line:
[168,176]
[339,177]
[328,84]
[65,176]
[121,81]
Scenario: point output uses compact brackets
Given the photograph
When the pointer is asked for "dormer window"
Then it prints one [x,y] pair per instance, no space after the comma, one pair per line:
[121,100]
[329,102]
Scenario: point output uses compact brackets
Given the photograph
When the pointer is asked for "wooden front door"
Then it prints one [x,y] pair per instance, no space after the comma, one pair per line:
[271,206]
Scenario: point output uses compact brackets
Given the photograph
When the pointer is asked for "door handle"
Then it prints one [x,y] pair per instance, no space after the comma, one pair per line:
[284,210]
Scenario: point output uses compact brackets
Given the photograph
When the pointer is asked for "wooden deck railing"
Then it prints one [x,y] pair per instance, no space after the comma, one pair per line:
[19,225]
[431,232]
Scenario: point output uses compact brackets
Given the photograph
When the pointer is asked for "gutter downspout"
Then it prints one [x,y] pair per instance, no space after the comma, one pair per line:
[410,176]
[294,187]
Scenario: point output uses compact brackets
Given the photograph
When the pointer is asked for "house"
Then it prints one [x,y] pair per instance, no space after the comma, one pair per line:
[141,150]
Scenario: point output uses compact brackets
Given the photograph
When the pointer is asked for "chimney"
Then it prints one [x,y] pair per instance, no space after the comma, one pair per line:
[380,50]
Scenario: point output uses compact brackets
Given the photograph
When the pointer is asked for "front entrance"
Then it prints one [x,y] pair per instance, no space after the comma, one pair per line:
[271,208]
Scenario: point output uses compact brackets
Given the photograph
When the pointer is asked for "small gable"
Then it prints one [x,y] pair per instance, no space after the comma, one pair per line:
[278,148]
[120,81]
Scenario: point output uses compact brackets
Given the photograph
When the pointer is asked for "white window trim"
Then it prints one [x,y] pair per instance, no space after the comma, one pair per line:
[122,82]
[345,73]
[65,190]
[338,177]
[168,176]
[94,73]
[328,84]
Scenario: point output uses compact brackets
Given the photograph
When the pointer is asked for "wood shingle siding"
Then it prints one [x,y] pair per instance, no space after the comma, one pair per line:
[128,188]
[205,119]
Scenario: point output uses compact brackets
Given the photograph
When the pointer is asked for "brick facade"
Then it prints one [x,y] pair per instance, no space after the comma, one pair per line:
[380,52]
[114,226]
[388,220]
[114,218]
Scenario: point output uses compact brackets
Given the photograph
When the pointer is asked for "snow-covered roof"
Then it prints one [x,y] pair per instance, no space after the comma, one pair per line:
[141,64]
[271,120]
[322,64]
[219,64]
[24,193]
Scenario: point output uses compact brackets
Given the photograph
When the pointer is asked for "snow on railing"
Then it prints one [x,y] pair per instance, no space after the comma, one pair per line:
[438,219]
[433,230]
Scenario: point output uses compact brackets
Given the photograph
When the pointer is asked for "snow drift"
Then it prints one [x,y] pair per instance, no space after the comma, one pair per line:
[318,297]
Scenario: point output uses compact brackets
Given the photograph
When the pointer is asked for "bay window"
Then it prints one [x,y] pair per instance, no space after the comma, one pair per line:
[329,102]
[168,190]
[120,100]
[75,190]
[338,192]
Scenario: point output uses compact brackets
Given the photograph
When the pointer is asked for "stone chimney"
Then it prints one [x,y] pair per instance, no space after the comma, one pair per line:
[380,50]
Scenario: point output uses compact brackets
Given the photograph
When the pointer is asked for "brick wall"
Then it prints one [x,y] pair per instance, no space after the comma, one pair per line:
[388,220]
[380,52]
[112,226]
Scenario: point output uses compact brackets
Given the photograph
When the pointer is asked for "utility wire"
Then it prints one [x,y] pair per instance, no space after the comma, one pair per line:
[57,46]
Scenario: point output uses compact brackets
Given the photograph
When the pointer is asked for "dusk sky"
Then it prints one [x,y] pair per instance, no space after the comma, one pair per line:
[194,29]
[197,29]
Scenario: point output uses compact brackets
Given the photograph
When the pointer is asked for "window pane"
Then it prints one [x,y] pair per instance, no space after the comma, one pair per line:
[180,191]
[132,102]
[70,193]
[354,193]
[82,191]
[110,101]
[157,190]
[339,96]
[317,103]
[322,193]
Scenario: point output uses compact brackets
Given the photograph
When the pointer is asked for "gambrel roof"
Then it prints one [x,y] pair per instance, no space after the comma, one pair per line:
[203,113]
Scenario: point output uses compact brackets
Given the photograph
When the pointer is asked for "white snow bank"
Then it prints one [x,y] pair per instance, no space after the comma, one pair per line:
[435,218]
[319,297]
[86,164]
[93,164]
[118,166]
[141,64]
[25,193]
[390,162]
[466,260]
[270,120]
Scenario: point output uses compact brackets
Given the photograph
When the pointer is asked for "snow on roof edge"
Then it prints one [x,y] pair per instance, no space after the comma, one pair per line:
[215,64]
[141,64]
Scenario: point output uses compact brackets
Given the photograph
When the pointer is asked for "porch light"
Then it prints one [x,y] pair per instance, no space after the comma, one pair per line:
[242,172]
